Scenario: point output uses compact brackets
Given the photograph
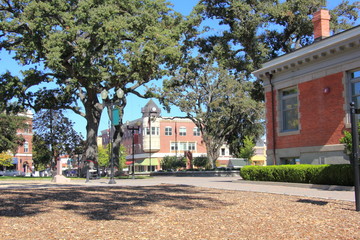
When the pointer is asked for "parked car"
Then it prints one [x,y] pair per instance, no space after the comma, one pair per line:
[14,173]
[1,173]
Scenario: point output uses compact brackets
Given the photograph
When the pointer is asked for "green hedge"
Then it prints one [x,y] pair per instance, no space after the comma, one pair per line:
[339,174]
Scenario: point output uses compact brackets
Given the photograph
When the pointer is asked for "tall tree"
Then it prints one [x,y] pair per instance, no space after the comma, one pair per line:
[84,47]
[56,132]
[219,104]
[257,31]
[9,139]
[5,159]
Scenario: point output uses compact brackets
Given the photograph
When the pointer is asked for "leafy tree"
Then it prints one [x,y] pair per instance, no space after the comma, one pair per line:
[41,152]
[5,159]
[9,139]
[55,133]
[172,163]
[247,151]
[104,159]
[217,102]
[347,141]
[257,31]
[201,162]
[84,47]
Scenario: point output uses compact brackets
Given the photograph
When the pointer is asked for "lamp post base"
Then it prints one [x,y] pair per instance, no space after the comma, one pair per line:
[112,181]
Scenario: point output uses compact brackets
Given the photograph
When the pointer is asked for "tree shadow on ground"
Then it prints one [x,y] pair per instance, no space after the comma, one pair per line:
[98,203]
[315,202]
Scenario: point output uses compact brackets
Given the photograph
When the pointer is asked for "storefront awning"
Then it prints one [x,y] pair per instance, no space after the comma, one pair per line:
[143,162]
[14,160]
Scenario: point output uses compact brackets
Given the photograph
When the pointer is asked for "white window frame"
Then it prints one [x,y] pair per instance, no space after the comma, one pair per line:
[182,131]
[196,131]
[174,146]
[283,110]
[168,131]
[26,147]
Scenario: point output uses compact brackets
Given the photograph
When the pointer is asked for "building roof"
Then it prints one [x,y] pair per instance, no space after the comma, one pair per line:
[151,108]
[315,52]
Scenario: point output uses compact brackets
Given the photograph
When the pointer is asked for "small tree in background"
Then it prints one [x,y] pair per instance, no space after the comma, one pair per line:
[201,162]
[5,159]
[247,151]
[54,132]
[172,163]
[347,141]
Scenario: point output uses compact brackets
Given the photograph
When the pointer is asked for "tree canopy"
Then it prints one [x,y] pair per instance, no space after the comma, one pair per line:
[257,31]
[9,125]
[83,47]
[54,136]
[217,102]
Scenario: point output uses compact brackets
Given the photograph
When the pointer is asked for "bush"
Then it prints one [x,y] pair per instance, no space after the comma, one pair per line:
[341,174]
[172,163]
[201,162]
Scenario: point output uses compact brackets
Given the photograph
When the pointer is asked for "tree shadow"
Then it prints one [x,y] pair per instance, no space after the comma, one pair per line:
[315,202]
[99,203]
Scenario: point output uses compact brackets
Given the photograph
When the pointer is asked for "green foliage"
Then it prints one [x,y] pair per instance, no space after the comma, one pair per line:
[218,102]
[172,163]
[201,162]
[315,174]
[5,159]
[103,156]
[347,141]
[41,153]
[85,47]
[9,139]
[257,31]
[247,151]
[54,133]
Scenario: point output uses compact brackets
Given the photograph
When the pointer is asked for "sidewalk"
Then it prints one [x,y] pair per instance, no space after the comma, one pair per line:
[229,183]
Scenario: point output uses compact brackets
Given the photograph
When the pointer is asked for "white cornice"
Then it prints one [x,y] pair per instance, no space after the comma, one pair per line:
[314,52]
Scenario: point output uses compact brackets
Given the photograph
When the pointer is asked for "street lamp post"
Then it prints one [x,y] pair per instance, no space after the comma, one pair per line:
[153,110]
[133,129]
[110,105]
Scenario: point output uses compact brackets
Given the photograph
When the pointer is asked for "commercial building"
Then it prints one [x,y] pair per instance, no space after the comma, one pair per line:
[22,159]
[308,94]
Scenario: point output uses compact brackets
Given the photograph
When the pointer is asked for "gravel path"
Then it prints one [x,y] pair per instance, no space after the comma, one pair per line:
[170,212]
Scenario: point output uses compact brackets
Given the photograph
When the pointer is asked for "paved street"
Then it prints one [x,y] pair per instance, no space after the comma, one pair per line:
[228,183]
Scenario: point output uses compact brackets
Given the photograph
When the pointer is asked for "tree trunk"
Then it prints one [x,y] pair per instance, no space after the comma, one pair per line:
[93,111]
[212,149]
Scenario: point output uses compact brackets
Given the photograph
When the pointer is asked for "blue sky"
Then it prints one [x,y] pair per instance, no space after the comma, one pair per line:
[133,109]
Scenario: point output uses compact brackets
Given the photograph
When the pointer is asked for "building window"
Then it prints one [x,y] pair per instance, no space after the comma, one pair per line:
[289,109]
[174,146]
[191,146]
[154,131]
[183,146]
[168,131]
[27,128]
[355,88]
[223,152]
[182,131]
[26,147]
[196,131]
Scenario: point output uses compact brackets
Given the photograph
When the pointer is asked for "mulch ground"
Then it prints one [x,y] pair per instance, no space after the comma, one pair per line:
[171,212]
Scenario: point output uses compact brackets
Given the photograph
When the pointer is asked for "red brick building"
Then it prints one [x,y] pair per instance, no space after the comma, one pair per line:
[23,157]
[308,94]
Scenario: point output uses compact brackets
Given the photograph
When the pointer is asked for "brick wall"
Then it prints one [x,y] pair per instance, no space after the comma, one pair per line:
[321,114]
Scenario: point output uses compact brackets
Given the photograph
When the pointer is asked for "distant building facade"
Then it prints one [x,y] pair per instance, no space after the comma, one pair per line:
[22,159]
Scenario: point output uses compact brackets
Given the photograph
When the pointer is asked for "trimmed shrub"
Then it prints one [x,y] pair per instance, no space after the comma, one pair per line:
[172,163]
[340,174]
[201,162]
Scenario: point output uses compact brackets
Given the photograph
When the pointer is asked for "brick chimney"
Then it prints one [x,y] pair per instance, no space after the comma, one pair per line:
[321,21]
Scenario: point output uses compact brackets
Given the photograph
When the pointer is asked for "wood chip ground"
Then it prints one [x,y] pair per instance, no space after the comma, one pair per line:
[171,212]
